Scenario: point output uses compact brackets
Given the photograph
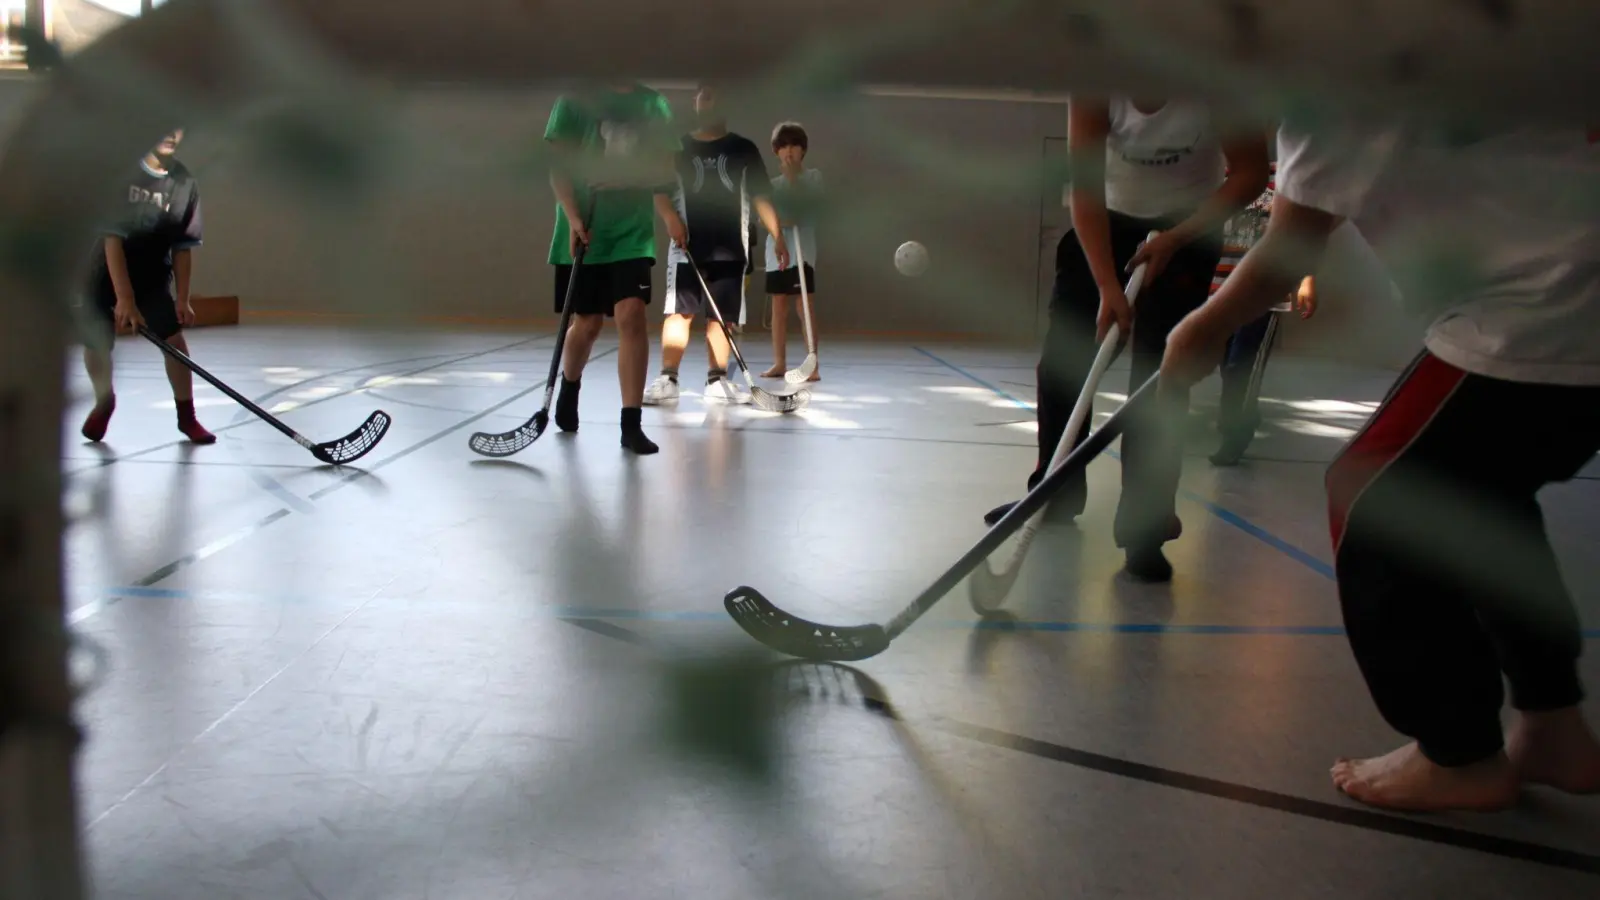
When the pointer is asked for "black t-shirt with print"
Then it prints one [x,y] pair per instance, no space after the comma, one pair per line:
[718,179]
[160,213]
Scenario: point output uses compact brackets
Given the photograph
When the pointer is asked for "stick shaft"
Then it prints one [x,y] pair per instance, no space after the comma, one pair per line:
[1014,520]
[217,383]
[578,254]
[561,327]
[727,331]
[1259,367]
[805,295]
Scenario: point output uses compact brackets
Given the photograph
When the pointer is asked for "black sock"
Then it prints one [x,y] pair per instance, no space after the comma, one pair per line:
[670,373]
[713,374]
[567,404]
[633,434]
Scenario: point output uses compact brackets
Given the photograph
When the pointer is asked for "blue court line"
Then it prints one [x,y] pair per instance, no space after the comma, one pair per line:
[656,615]
[1298,554]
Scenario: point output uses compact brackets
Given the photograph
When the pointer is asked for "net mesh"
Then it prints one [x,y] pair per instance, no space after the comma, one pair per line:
[380,140]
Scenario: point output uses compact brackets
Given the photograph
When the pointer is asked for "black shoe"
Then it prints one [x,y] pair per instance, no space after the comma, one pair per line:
[567,404]
[998,513]
[1148,564]
[1057,513]
[1231,451]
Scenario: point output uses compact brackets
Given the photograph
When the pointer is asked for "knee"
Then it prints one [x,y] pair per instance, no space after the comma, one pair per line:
[585,327]
[630,318]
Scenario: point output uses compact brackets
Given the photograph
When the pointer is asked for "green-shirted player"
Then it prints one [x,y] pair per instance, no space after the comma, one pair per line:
[627,128]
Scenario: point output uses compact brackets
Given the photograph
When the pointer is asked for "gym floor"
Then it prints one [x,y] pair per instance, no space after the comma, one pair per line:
[433,675]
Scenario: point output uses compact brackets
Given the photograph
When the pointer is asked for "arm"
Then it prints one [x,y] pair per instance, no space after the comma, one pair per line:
[665,143]
[1322,180]
[1248,171]
[117,265]
[566,194]
[183,274]
[1293,244]
[564,132]
[1088,123]
[1306,299]
[769,218]
[183,255]
[755,167]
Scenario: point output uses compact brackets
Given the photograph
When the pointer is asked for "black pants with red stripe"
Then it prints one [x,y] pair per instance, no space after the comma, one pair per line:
[1446,576]
[1152,453]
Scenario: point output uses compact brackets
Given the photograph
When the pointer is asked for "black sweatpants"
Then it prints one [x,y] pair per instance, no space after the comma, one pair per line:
[1152,456]
[1446,576]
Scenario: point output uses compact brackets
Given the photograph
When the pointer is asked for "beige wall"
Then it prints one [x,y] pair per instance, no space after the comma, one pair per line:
[463,236]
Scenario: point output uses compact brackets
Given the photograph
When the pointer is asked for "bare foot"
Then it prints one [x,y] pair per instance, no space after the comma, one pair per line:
[1406,780]
[1556,748]
[776,371]
[815,376]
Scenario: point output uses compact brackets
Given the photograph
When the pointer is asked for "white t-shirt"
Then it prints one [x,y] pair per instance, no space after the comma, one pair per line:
[1164,163]
[810,180]
[1495,240]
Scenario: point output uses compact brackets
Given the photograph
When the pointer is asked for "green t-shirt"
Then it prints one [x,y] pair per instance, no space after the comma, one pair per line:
[633,127]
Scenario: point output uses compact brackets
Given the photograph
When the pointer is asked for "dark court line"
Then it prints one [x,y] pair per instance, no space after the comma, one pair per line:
[283,389]
[256,527]
[607,629]
[861,435]
[1302,807]
[207,464]
[1298,554]
[1366,819]
[389,460]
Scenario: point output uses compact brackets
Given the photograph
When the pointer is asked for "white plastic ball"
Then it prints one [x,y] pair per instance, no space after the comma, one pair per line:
[911,259]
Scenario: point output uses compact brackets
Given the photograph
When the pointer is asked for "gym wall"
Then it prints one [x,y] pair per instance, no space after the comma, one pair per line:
[449,242]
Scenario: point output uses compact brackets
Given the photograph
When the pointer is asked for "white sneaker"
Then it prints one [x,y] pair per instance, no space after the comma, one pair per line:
[723,390]
[663,390]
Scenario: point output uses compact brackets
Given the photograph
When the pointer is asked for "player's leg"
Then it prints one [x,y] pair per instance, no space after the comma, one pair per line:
[783,287]
[727,287]
[1068,355]
[1447,579]
[1238,415]
[630,285]
[99,335]
[681,304]
[1152,447]
[161,317]
[588,317]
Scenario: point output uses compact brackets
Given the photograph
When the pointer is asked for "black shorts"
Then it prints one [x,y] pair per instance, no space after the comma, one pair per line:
[726,280]
[602,286]
[787,281]
[155,305]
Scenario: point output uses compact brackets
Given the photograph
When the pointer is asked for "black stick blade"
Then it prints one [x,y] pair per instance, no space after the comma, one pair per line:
[780,403]
[357,443]
[510,442]
[793,636]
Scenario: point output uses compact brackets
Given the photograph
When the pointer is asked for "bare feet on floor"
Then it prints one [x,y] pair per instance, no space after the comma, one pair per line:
[1407,780]
[1557,749]
[776,371]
